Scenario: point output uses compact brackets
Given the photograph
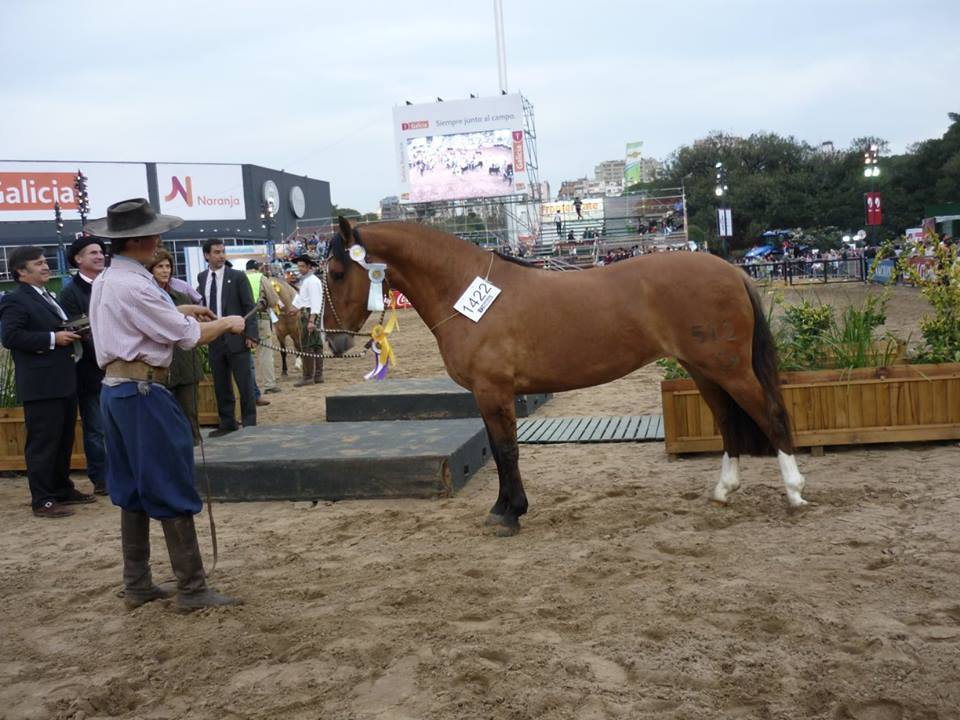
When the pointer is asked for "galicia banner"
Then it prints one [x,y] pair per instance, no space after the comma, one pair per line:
[201,192]
[28,189]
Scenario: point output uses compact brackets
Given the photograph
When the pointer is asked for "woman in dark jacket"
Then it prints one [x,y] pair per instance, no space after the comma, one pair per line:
[186,370]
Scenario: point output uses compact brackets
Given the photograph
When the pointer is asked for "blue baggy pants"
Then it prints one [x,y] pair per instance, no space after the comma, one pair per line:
[149,451]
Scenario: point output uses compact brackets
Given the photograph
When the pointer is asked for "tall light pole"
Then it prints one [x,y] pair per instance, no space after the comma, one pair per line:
[501,46]
[871,171]
[61,248]
[83,199]
[724,217]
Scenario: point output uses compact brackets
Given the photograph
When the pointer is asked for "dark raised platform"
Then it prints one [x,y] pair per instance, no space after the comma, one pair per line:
[349,460]
[417,399]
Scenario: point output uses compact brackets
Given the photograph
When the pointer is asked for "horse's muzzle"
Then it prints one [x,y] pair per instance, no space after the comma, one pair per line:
[339,343]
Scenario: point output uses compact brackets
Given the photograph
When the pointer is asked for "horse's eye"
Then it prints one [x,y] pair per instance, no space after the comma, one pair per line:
[337,275]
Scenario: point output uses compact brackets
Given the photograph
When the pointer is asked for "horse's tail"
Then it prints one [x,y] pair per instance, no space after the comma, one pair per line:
[746,434]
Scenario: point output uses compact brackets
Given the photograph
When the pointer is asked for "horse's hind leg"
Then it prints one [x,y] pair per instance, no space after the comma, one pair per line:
[719,403]
[499,415]
[773,423]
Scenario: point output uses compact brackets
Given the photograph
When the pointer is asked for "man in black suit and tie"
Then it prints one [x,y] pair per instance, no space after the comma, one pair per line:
[44,357]
[227,292]
[88,255]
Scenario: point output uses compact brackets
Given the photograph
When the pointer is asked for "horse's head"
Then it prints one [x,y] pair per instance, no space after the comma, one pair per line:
[348,285]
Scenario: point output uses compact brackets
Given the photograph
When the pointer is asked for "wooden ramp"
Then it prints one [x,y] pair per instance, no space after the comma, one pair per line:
[343,461]
[437,398]
[617,428]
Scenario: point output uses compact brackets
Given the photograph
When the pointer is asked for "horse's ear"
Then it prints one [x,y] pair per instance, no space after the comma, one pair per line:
[346,232]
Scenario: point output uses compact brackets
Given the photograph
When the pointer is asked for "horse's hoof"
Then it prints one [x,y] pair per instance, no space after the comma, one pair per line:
[719,503]
[508,530]
[493,519]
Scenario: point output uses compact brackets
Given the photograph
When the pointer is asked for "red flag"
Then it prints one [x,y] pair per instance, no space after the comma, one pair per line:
[874,213]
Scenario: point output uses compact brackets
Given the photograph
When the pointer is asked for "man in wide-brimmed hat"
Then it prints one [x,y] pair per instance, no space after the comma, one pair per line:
[309,303]
[88,255]
[149,441]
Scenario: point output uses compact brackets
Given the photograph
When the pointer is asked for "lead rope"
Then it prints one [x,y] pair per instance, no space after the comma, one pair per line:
[206,474]
[206,479]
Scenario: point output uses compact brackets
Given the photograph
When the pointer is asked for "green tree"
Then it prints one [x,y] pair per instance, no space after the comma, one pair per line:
[778,182]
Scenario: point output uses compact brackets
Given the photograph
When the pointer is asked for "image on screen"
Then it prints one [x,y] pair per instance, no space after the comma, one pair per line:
[446,167]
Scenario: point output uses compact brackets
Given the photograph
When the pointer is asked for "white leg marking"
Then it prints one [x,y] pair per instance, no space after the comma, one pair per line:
[792,479]
[729,480]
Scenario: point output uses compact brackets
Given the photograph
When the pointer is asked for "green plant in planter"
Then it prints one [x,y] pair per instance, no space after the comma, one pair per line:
[803,341]
[672,370]
[852,341]
[941,288]
[203,352]
[809,337]
[8,384]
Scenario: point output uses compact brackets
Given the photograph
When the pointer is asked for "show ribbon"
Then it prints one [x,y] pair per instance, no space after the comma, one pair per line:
[382,350]
[377,272]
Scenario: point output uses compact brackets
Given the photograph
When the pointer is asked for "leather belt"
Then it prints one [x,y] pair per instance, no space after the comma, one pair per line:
[136,370]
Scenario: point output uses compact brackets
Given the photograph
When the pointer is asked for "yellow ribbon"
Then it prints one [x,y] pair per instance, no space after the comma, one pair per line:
[379,334]
[392,294]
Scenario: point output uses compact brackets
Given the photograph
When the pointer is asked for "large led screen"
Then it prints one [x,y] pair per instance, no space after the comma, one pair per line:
[478,164]
[461,149]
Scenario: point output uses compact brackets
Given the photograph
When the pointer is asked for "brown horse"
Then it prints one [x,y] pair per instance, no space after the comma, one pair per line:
[550,331]
[287,326]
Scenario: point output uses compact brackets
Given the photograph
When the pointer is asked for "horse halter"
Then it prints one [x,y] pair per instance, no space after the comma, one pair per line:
[377,272]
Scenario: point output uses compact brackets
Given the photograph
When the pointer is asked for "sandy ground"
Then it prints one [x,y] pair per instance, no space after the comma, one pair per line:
[627,595]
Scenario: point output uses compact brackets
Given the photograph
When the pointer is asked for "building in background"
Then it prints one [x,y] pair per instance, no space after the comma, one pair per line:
[545,191]
[651,170]
[390,208]
[225,201]
[610,174]
[569,189]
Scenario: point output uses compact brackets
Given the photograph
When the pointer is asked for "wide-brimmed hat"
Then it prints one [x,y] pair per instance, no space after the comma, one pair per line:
[308,258]
[132,218]
[79,244]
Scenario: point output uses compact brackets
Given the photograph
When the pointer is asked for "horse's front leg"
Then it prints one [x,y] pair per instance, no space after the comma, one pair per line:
[499,416]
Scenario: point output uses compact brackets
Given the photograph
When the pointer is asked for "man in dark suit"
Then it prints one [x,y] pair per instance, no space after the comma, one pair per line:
[43,356]
[87,254]
[227,292]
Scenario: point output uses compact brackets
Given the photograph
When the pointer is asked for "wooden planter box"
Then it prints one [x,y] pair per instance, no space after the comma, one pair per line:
[902,403]
[207,403]
[13,433]
[13,437]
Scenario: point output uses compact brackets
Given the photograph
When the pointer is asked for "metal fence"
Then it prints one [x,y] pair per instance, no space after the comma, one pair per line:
[796,272]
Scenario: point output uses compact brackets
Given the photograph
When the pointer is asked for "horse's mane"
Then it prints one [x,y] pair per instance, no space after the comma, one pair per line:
[514,259]
[338,251]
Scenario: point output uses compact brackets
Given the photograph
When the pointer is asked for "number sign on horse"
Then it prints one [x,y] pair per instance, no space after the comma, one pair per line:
[550,332]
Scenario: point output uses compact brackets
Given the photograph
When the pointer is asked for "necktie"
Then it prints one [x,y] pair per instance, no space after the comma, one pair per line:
[53,303]
[214,305]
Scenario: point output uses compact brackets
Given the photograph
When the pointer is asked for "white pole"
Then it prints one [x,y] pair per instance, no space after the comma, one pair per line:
[501,45]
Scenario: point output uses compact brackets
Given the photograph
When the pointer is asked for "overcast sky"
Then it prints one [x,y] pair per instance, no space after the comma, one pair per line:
[310,86]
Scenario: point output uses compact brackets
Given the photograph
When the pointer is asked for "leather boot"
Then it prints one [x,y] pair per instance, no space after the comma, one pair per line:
[307,372]
[181,536]
[138,587]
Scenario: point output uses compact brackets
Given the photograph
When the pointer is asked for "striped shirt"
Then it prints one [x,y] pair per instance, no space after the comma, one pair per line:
[133,319]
